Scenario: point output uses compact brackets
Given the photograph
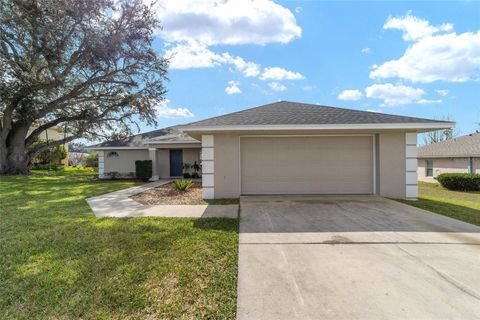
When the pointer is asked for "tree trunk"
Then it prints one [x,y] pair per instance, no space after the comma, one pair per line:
[15,159]
[3,156]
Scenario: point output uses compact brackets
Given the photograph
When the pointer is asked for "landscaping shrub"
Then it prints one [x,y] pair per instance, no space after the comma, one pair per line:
[143,169]
[182,185]
[187,175]
[114,175]
[195,175]
[460,181]
[53,155]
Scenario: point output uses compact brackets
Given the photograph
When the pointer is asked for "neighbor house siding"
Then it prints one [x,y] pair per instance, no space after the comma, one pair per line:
[125,162]
[446,165]
[476,165]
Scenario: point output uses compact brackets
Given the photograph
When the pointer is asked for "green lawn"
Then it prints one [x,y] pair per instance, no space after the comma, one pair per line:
[57,261]
[463,206]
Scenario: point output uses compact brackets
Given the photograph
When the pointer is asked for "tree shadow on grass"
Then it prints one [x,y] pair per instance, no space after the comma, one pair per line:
[221,224]
[77,266]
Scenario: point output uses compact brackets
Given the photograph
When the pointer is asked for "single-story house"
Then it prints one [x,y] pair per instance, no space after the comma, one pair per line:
[285,148]
[457,155]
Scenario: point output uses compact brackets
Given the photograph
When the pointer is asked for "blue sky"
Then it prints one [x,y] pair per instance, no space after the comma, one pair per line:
[410,58]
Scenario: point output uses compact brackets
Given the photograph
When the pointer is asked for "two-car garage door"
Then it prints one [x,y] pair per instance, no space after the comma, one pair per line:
[307,165]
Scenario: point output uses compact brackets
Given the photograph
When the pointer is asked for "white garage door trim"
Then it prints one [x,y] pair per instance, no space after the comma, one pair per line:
[374,150]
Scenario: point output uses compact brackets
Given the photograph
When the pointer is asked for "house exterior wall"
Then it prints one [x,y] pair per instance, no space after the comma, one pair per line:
[391,164]
[125,162]
[227,165]
[190,155]
[163,163]
[446,165]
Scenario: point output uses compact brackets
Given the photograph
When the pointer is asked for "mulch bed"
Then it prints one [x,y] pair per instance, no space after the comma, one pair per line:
[167,194]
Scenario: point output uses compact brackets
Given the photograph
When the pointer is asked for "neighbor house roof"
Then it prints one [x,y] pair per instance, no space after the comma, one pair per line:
[285,113]
[464,146]
[161,136]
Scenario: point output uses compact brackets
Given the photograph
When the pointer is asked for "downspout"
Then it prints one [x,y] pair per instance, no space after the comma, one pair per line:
[470,165]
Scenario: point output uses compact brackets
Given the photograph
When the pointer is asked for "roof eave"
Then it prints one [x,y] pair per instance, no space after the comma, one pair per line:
[473,155]
[420,126]
[115,148]
[172,142]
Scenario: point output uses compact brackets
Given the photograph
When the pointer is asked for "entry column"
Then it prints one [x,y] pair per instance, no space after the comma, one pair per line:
[152,155]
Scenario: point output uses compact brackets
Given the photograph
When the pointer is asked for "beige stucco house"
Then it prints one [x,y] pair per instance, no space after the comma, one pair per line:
[286,148]
[457,155]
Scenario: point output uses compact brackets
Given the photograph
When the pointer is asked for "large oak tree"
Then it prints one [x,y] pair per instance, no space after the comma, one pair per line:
[86,66]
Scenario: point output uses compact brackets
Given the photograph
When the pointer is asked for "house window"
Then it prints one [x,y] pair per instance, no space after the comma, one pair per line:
[112,154]
[429,172]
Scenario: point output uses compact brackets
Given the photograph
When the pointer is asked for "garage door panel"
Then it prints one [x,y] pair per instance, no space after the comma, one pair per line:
[307,165]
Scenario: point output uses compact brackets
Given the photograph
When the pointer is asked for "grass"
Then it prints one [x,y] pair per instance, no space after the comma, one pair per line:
[57,261]
[459,205]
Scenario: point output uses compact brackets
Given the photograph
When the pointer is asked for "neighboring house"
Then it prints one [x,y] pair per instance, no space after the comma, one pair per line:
[76,159]
[52,134]
[168,148]
[457,155]
[286,148]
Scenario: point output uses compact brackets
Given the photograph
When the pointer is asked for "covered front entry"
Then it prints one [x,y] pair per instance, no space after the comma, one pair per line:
[307,164]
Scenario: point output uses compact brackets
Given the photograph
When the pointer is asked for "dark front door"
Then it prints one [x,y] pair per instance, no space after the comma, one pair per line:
[176,162]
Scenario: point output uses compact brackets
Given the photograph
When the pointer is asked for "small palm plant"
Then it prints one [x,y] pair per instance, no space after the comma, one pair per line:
[182,185]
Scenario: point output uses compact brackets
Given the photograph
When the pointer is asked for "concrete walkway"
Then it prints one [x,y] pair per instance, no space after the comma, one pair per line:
[118,204]
[354,258]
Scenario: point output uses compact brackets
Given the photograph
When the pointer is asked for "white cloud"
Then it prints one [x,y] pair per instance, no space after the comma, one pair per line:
[275,86]
[366,50]
[374,110]
[248,68]
[394,95]
[192,55]
[443,92]
[164,111]
[276,73]
[415,28]
[298,9]
[434,54]
[308,88]
[352,95]
[229,22]
[192,27]
[429,101]
[233,87]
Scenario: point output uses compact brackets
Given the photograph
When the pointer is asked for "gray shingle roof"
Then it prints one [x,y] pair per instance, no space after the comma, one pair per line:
[293,113]
[466,146]
[165,135]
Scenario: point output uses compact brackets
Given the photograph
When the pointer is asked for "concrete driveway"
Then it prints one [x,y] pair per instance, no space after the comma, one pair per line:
[354,258]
